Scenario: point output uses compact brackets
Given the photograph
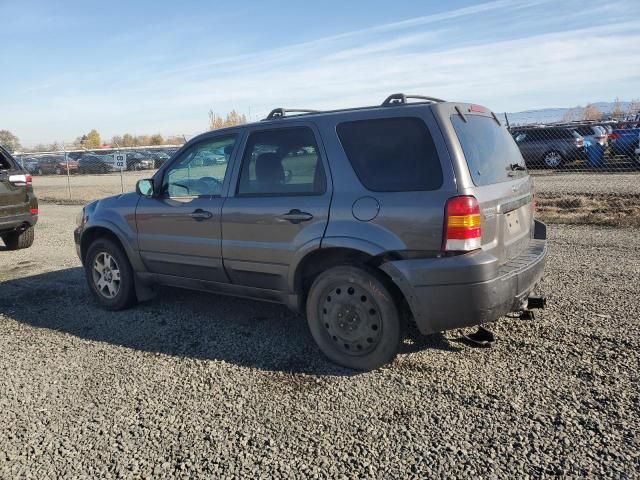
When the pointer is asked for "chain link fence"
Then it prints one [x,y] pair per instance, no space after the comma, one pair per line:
[80,176]
[584,172]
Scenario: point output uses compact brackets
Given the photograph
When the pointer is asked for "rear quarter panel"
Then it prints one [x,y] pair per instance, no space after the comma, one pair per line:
[405,220]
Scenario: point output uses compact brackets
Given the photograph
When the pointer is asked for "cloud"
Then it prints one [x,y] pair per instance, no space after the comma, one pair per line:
[508,55]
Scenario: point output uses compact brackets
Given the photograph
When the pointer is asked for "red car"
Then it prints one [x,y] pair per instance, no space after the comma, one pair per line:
[55,164]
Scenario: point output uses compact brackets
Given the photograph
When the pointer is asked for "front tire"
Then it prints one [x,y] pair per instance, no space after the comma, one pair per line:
[552,159]
[109,275]
[19,240]
[353,317]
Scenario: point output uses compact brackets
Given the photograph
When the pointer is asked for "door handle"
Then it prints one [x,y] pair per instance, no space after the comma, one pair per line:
[200,214]
[295,216]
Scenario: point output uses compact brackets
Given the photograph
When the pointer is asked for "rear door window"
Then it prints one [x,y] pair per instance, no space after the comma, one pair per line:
[282,162]
[491,153]
[392,154]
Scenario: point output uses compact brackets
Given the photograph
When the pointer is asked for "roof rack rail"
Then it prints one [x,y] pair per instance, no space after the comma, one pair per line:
[401,98]
[282,112]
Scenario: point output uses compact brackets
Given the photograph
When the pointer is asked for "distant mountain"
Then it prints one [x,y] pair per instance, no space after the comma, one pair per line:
[550,115]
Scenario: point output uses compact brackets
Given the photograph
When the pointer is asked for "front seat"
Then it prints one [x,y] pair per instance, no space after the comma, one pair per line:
[269,173]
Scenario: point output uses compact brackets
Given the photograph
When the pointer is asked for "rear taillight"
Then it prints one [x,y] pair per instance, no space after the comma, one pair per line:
[20,180]
[462,231]
[614,136]
[33,211]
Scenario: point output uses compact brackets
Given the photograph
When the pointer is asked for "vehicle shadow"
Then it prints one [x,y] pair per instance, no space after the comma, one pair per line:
[180,323]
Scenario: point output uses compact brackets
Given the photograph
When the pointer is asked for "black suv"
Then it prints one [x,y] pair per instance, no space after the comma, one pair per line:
[18,204]
[361,218]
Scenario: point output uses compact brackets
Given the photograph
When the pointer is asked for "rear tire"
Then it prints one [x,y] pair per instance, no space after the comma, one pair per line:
[109,275]
[353,317]
[19,240]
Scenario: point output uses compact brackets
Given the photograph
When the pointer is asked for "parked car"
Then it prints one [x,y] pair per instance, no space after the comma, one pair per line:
[139,160]
[594,134]
[159,157]
[624,141]
[91,163]
[410,209]
[18,204]
[549,147]
[56,164]
[29,163]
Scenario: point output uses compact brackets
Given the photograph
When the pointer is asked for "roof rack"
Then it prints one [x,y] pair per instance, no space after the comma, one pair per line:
[401,98]
[282,112]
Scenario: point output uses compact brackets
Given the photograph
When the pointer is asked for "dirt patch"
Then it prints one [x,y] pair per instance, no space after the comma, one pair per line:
[614,210]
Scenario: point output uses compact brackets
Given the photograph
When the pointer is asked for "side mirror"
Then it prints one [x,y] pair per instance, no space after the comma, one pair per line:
[145,187]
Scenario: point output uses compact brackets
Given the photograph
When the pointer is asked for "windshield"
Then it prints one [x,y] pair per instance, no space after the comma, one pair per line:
[491,152]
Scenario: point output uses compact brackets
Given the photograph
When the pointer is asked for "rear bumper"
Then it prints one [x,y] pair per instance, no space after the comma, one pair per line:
[14,222]
[454,292]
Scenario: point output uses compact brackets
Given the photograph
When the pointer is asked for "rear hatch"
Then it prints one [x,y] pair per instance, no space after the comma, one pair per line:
[493,171]
[14,200]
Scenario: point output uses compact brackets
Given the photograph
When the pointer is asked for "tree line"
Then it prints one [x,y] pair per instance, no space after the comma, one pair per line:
[93,140]
[591,112]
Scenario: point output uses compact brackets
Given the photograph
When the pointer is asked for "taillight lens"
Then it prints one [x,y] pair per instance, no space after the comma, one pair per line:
[20,180]
[614,136]
[33,211]
[462,230]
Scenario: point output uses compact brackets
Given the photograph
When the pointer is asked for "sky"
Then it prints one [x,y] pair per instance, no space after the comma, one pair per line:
[156,66]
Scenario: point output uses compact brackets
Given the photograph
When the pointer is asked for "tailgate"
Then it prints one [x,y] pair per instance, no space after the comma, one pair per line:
[506,211]
[13,198]
[492,161]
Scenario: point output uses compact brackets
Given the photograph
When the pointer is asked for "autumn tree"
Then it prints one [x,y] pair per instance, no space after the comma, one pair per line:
[634,107]
[232,118]
[90,140]
[174,140]
[571,115]
[9,141]
[591,112]
[616,110]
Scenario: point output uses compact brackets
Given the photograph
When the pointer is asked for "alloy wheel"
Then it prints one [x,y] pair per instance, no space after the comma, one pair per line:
[106,275]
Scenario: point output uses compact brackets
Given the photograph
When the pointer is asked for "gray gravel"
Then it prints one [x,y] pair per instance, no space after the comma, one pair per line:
[195,385]
[586,183]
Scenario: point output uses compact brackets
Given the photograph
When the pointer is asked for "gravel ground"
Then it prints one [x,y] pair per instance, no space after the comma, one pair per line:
[562,183]
[195,385]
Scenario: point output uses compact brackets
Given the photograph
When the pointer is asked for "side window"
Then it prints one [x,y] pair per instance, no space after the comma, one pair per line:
[5,164]
[282,162]
[520,137]
[392,154]
[200,171]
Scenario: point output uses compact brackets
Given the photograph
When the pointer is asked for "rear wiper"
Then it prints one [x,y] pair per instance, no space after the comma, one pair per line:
[517,167]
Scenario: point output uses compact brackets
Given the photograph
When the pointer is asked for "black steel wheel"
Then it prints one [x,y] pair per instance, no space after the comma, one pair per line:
[353,317]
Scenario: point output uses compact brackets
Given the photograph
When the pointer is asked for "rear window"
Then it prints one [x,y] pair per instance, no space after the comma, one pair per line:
[491,152]
[392,154]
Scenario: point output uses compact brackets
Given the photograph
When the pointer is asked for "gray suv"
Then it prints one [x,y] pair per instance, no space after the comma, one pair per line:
[549,147]
[362,218]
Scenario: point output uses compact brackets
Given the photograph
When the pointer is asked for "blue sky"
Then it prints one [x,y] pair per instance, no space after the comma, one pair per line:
[159,66]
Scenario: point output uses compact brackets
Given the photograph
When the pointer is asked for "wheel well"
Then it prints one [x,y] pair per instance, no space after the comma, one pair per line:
[322,259]
[98,232]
